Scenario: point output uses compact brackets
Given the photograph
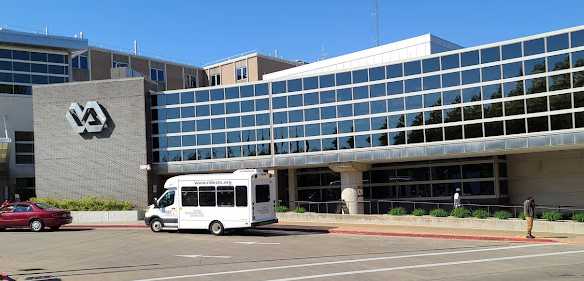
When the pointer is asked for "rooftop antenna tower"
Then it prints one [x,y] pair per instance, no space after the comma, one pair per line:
[135,50]
[376,19]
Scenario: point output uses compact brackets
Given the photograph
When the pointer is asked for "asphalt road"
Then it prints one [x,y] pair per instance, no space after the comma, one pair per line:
[138,254]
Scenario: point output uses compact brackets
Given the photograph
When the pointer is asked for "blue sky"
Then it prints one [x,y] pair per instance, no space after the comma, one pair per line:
[199,32]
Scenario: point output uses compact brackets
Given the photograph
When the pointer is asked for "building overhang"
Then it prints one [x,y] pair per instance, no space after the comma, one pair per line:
[41,40]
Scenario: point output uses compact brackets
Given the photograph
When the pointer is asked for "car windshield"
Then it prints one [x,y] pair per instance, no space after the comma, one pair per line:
[44,206]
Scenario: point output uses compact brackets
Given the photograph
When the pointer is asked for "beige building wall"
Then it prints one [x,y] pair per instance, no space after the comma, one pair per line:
[257,66]
[174,77]
[100,65]
[266,65]
[140,65]
[557,177]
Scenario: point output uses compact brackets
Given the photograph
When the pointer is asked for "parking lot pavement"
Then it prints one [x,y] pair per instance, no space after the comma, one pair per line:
[138,254]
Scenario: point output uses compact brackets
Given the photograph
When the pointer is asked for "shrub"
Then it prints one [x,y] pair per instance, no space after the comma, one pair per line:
[481,214]
[579,217]
[299,210]
[281,209]
[398,211]
[522,215]
[419,212]
[87,204]
[439,213]
[460,212]
[551,216]
[503,215]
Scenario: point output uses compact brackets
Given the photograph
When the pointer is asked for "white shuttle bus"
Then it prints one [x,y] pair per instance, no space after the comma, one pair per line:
[242,199]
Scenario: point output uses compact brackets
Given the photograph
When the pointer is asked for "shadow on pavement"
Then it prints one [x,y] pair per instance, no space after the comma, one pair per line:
[47,230]
[255,232]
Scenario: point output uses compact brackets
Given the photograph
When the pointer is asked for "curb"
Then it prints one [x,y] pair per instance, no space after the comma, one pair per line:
[105,226]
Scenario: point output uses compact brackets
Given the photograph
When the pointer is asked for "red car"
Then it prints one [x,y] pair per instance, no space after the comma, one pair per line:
[35,216]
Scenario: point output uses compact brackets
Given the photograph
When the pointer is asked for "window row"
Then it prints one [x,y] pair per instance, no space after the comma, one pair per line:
[15,89]
[391,192]
[447,172]
[211,196]
[7,77]
[213,109]
[469,58]
[214,138]
[34,67]
[210,124]
[33,56]
[212,153]
[210,95]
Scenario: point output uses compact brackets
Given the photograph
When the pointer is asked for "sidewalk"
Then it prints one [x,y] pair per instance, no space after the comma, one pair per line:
[389,230]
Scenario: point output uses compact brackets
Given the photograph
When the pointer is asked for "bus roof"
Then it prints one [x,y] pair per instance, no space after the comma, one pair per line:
[236,175]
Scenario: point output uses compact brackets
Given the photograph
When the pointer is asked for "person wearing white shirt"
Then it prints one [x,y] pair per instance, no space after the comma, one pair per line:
[457,203]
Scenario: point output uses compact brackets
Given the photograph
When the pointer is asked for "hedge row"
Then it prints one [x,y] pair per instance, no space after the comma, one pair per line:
[87,204]
[481,214]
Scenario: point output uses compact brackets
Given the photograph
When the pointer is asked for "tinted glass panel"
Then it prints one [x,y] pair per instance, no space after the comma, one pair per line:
[559,62]
[377,73]
[490,55]
[511,70]
[533,47]
[360,76]
[535,66]
[450,61]
[412,68]
[326,80]
[451,79]
[413,85]
[557,42]
[511,51]
[430,65]
[469,58]
[343,78]
[310,83]
[491,73]
[394,70]
[471,76]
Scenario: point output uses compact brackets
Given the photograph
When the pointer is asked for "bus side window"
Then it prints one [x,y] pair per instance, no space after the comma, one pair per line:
[166,200]
[262,193]
[225,196]
[189,196]
[241,196]
[207,196]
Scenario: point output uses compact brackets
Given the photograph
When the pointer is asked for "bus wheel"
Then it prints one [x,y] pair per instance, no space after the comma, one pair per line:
[156,225]
[216,227]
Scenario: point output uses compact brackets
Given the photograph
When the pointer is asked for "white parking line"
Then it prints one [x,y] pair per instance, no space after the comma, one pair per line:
[348,261]
[202,256]
[257,243]
[427,265]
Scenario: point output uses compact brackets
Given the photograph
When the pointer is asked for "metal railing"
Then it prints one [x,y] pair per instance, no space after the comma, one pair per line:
[376,207]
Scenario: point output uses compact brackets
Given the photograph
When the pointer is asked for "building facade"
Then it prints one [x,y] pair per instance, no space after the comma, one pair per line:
[413,120]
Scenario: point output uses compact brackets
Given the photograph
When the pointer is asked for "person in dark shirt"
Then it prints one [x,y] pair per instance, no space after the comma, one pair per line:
[529,211]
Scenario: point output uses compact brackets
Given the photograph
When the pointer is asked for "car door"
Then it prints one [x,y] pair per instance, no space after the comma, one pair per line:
[6,217]
[21,214]
[168,209]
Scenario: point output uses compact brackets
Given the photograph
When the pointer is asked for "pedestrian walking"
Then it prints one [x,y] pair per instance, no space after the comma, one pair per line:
[529,211]
[457,203]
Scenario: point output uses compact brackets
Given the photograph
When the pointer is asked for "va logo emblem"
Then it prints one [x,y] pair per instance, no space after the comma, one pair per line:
[90,119]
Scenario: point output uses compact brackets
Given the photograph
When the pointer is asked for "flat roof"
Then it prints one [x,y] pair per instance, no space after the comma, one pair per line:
[41,40]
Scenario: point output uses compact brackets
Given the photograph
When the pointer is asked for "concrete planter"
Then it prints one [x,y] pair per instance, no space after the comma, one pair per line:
[567,227]
[104,217]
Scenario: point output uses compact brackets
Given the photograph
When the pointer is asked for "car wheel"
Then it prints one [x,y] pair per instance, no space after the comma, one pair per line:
[156,225]
[216,228]
[36,225]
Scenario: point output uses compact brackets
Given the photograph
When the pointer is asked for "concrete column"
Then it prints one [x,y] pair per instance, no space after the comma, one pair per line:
[351,185]
[291,188]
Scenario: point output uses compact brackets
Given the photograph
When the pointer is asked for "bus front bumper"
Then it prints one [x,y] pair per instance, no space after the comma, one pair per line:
[253,224]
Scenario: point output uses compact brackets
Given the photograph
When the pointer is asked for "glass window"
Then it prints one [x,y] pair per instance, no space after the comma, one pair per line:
[326,81]
[558,102]
[579,99]
[310,98]
[294,85]
[217,94]
[579,119]
[279,102]
[431,65]
[396,104]
[207,196]
[557,42]
[345,110]
[451,97]
[473,131]
[433,117]
[281,148]
[412,68]
[362,141]
[218,138]
[377,73]
[278,87]
[248,135]
[262,104]
[559,62]
[413,85]
[311,114]
[294,100]
[263,134]
[189,154]
[202,96]
[346,142]
[188,97]
[561,121]
[451,79]
[471,94]
[313,145]
[536,85]
[397,138]
[453,133]
[296,131]
[260,89]
[452,115]
[450,61]
[431,82]
[414,119]
[533,47]
[217,109]
[577,59]
[396,121]
[469,58]
[414,102]
[492,92]
[491,110]
[166,200]
[204,153]
[471,76]
[490,55]
[360,76]
[361,108]
[361,92]
[516,126]
[362,125]
[218,123]
[535,66]
[233,151]
[327,97]
[280,133]
[328,112]
[329,144]
[433,134]
[296,146]
[188,126]
[188,111]
[218,152]
[394,70]
[249,150]
[494,129]
[434,99]
[344,94]
[491,73]
[513,69]
[377,90]
[559,82]
[232,93]
[395,88]
[537,105]
[225,196]
[346,126]
[295,116]
[514,107]
[379,123]
[415,136]
[246,91]
[343,78]
[246,106]
[511,51]
[329,128]
[310,83]
[578,79]
[379,139]
[577,38]
[472,112]
[233,122]
[172,99]
[203,125]
[233,137]
[172,113]
[537,124]
[247,120]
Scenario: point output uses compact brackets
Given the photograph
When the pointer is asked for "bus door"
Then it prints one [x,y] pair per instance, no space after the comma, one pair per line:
[263,206]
